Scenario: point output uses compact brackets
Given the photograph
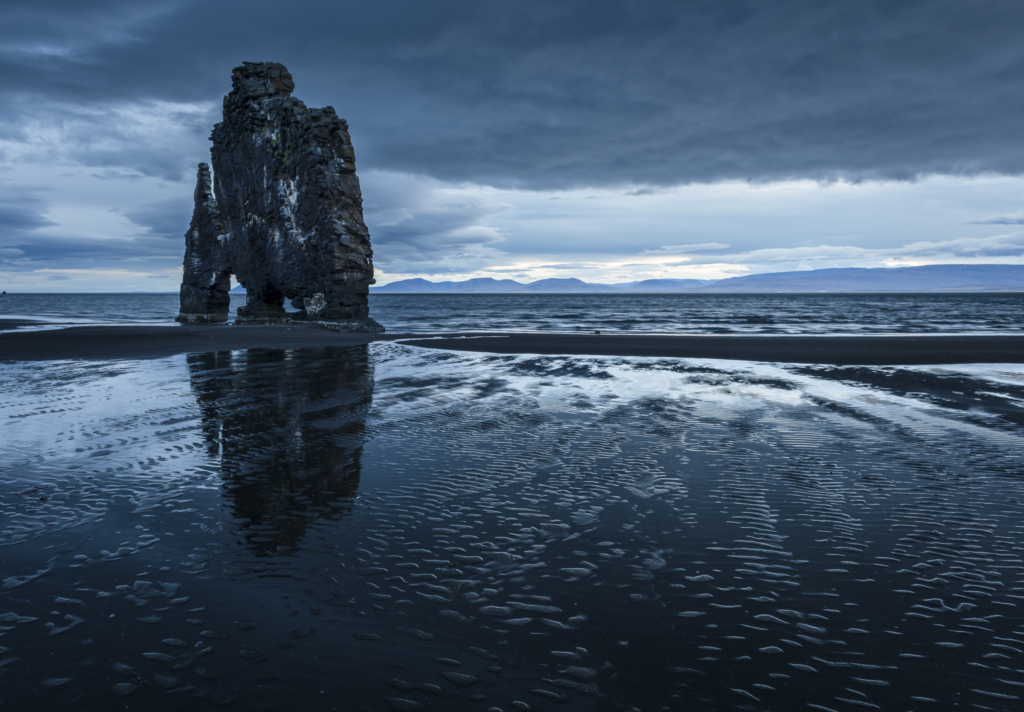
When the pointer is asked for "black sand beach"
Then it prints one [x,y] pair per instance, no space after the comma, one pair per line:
[902,350]
[387,527]
[137,342]
[134,342]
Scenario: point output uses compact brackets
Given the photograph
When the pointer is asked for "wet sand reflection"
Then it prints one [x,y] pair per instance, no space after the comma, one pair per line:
[530,532]
[289,428]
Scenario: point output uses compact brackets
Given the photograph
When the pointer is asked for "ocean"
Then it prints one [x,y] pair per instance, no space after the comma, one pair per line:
[386,527]
[631,313]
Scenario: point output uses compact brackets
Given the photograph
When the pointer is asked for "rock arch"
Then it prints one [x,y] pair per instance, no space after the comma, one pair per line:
[281,211]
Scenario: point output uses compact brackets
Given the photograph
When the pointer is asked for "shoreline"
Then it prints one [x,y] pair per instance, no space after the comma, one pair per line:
[100,343]
[853,350]
[8,324]
[144,342]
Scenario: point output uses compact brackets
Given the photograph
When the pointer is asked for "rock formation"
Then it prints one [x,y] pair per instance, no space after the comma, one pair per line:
[282,212]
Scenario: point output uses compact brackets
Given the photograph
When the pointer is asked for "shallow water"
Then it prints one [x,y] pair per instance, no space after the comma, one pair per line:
[626,313]
[394,528]
[704,313]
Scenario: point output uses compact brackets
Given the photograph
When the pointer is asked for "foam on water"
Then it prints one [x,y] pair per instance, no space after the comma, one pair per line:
[396,528]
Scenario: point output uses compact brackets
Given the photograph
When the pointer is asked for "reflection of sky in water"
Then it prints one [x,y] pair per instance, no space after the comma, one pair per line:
[392,528]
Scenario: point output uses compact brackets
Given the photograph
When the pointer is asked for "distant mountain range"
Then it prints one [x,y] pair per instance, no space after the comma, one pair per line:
[486,285]
[929,278]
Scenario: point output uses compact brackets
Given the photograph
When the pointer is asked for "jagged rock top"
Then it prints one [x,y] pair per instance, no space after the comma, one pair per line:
[256,80]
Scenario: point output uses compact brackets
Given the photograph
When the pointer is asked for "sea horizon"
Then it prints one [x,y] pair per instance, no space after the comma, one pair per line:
[986,312]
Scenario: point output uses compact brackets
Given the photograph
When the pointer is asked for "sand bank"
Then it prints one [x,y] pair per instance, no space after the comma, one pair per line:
[834,350]
[134,342]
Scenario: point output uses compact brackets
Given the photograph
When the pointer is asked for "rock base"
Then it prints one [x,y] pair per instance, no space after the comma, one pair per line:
[362,326]
[201,318]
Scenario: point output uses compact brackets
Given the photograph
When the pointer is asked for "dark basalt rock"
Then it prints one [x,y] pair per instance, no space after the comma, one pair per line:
[282,212]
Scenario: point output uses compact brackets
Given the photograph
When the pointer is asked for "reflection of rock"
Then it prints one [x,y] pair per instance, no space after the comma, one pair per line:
[282,211]
[288,427]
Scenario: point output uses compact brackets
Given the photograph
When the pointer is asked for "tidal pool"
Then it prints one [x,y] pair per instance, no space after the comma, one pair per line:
[391,528]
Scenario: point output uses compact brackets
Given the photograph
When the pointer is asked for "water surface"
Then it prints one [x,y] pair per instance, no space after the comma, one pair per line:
[626,313]
[388,528]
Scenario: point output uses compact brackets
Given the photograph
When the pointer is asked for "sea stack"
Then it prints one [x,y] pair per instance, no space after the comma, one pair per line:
[281,211]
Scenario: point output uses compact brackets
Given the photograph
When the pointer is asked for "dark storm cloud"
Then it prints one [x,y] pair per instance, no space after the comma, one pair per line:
[45,251]
[418,225]
[22,247]
[20,212]
[167,219]
[542,93]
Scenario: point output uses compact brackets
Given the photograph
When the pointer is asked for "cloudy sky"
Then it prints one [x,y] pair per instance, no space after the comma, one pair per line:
[600,139]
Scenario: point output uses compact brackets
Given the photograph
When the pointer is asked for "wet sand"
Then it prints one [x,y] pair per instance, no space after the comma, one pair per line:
[901,350]
[398,528]
[135,342]
[138,342]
